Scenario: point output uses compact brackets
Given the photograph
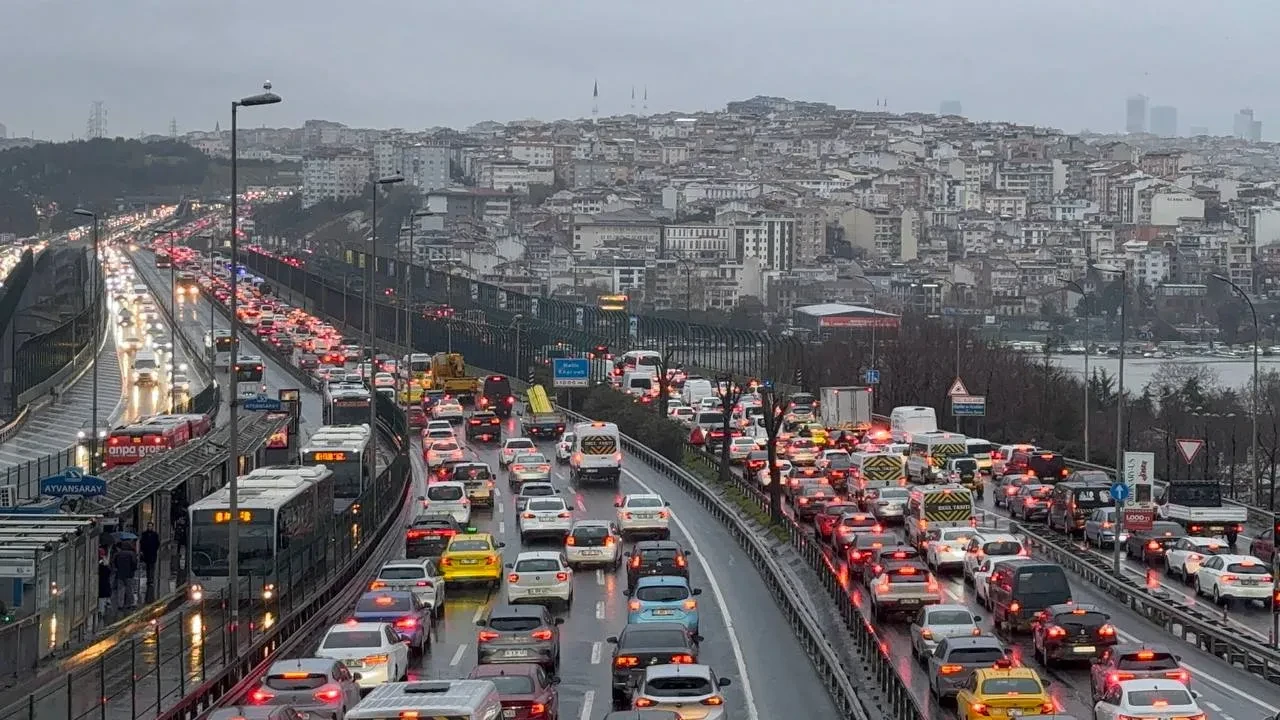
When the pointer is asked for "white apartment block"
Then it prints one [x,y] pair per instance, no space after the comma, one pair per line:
[768,238]
[696,240]
[334,176]
[538,155]
[426,167]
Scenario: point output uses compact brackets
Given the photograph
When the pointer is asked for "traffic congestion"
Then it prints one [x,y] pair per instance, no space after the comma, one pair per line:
[533,578]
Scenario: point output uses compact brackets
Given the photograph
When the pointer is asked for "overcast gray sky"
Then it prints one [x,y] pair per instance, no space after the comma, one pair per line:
[420,63]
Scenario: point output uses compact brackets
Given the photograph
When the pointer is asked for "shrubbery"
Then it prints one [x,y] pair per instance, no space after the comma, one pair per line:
[639,421]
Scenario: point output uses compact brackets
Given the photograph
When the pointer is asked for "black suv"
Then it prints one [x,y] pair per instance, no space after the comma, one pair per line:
[519,634]
[428,535]
[1046,465]
[656,557]
[643,644]
[484,426]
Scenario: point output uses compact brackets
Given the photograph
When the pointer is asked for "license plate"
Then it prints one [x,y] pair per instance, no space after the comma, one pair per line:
[592,553]
[469,562]
[1248,582]
[664,612]
[509,712]
[909,601]
[515,653]
[353,663]
[644,516]
[1013,712]
[539,591]
[1084,649]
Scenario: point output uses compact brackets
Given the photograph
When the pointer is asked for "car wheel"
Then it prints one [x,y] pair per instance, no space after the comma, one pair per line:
[1217,596]
[568,603]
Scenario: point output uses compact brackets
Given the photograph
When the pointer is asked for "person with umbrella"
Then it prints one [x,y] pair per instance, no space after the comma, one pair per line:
[125,565]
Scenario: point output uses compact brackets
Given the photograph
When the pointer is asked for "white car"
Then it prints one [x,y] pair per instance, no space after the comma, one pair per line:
[1157,699]
[540,576]
[681,690]
[936,622]
[439,425]
[982,578]
[593,542]
[740,448]
[419,576]
[448,497]
[682,414]
[384,380]
[443,451]
[533,490]
[1001,455]
[564,448]
[511,447]
[450,411]
[1184,558]
[644,514]
[764,478]
[947,550]
[370,648]
[432,435]
[984,545]
[545,517]
[1234,577]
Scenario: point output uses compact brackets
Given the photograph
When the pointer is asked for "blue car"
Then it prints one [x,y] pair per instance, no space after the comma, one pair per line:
[410,616]
[664,599]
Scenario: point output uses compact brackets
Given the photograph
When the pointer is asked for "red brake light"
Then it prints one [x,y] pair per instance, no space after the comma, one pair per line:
[561,576]
[1107,630]
[261,696]
[487,635]
[1057,632]
[541,634]
[1153,545]
[681,659]
[407,622]
[328,694]
[571,540]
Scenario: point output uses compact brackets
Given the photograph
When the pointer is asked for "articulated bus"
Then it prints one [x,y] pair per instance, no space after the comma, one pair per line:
[349,453]
[285,516]
[248,375]
[346,404]
[131,443]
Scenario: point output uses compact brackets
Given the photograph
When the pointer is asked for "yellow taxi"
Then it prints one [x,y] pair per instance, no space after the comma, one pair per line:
[818,434]
[472,557]
[1004,691]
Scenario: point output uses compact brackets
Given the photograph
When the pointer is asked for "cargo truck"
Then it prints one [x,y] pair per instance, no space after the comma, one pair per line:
[449,373]
[846,408]
[540,419]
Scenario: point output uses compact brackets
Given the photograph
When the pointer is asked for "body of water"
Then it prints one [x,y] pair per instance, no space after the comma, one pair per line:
[1138,371]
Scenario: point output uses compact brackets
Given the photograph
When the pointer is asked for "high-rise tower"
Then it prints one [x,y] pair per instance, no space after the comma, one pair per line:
[96,127]
[1135,114]
[595,102]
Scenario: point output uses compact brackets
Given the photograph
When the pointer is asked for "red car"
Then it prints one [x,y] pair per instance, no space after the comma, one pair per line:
[525,688]
[417,418]
[826,520]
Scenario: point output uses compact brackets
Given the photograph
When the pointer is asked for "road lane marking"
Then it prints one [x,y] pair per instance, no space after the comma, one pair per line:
[479,615]
[502,527]
[457,656]
[600,610]
[595,652]
[739,659]
[588,699]
[1201,675]
[600,577]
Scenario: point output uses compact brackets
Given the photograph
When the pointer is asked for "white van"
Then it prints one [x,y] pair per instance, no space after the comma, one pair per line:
[146,368]
[640,382]
[597,453]
[696,388]
[908,420]
[453,699]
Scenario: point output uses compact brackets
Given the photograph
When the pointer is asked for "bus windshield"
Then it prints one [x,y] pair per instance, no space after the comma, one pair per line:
[222,343]
[348,411]
[347,468]
[249,372]
[208,542]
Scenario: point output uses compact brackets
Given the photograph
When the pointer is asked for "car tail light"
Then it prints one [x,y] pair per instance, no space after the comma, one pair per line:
[634,606]
[513,578]
[644,703]
[541,634]
[1107,630]
[950,669]
[933,586]
[713,700]
[376,660]
[445,562]
[571,540]
[407,623]
[635,561]
[261,697]
[1047,707]
[608,542]
[927,634]
[680,561]
[1015,606]
[491,560]
[1057,632]
[424,583]
[979,709]
[377,585]
[626,661]
[562,576]
[528,516]
[537,709]
[690,604]
[487,635]
[517,468]
[681,659]
[1116,678]
[1153,545]
[565,515]
[1228,579]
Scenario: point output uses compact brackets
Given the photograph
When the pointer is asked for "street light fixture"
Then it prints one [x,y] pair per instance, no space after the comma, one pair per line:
[233,405]
[1080,289]
[1124,295]
[97,328]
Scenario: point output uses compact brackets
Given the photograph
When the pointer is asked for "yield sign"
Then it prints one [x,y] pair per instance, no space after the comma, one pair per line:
[958,388]
[1190,449]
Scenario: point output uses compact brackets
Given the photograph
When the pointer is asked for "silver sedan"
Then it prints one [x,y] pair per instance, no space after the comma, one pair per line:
[527,468]
[936,622]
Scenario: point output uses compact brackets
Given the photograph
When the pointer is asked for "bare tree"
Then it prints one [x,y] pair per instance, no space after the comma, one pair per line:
[730,393]
[664,380]
[775,409]
[1175,376]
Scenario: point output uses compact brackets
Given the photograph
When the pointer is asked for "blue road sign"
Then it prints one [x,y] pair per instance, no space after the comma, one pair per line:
[873,377]
[570,372]
[969,405]
[262,403]
[71,481]
[1119,492]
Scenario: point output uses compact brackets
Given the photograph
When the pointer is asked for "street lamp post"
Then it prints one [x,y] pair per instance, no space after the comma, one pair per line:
[233,405]
[952,285]
[515,323]
[370,272]
[97,329]
[1080,289]
[1124,296]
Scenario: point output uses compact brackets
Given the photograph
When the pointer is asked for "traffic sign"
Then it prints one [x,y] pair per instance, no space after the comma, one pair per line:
[1189,449]
[958,388]
[262,403]
[873,377]
[570,372]
[1119,492]
[1139,471]
[1139,518]
[969,405]
[72,481]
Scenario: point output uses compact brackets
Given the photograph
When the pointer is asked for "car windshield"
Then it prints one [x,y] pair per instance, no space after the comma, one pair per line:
[444,493]
[347,639]
[654,555]
[1092,497]
[402,573]
[648,637]
[955,535]
[893,494]
[531,459]
[546,504]
[661,593]
[514,624]
[979,448]
[949,617]
[512,684]
[838,508]
[1147,660]
[439,434]
[838,461]
[384,603]
[537,490]
[444,447]
[802,444]
[858,521]
[1002,547]
[967,465]
[644,502]
[471,473]
[1248,567]
[975,655]
[516,444]
[1149,698]
[683,686]
[469,546]
[1011,686]
[870,541]
[590,533]
[291,681]
[1080,620]
[538,565]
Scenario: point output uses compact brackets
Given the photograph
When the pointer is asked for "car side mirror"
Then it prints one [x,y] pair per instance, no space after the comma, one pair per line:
[724,682]
[555,680]
[1195,694]
[502,544]
[509,566]
[357,676]
[558,621]
[1046,683]
[627,554]
[626,592]
[569,508]
[977,619]
[617,504]
[1177,658]
[666,503]
[697,638]
[612,639]
[697,591]
[422,497]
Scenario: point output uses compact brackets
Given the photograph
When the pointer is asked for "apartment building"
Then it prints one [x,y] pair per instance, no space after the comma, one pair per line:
[334,175]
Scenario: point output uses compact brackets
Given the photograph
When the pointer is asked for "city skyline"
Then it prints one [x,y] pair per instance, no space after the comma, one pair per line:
[534,62]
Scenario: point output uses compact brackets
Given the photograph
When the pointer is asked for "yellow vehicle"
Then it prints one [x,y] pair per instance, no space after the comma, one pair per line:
[412,393]
[472,557]
[818,434]
[1004,691]
[878,470]
[449,373]
[937,506]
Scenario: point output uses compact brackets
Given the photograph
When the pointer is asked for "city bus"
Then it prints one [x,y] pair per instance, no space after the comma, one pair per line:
[284,516]
[131,443]
[164,261]
[248,377]
[346,404]
[219,346]
[349,453]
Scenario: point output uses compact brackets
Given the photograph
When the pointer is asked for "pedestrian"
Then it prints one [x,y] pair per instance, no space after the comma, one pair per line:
[125,565]
[104,589]
[150,545]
